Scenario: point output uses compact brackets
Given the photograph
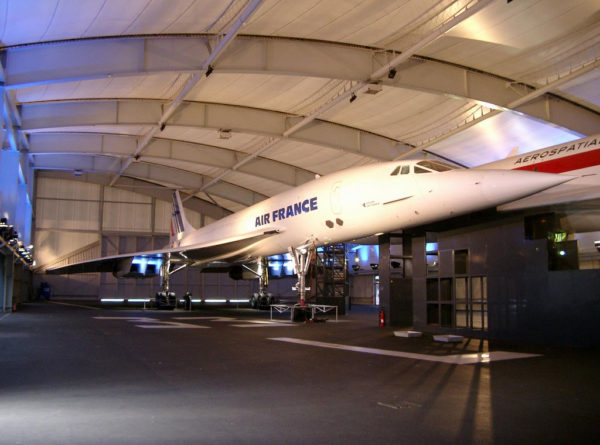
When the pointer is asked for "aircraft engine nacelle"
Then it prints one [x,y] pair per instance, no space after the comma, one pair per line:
[122,268]
[240,273]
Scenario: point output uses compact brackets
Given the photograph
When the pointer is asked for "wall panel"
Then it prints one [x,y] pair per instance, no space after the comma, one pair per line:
[127,217]
[52,244]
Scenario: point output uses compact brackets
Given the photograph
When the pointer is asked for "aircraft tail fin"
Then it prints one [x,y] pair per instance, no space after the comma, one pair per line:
[513,152]
[180,226]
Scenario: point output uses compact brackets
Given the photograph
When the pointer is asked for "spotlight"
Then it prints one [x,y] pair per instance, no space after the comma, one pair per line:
[352,98]
[209,70]
[374,266]
[392,73]
[355,267]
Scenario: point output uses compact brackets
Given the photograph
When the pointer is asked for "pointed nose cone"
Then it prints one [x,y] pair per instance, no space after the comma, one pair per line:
[507,185]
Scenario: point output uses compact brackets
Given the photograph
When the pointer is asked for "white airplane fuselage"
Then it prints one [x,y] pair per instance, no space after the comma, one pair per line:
[365,200]
[579,158]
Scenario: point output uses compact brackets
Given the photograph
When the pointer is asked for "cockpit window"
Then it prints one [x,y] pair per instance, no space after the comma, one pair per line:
[421,170]
[401,169]
[436,166]
[422,167]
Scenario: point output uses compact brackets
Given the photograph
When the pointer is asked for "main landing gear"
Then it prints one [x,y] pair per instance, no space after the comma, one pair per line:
[262,299]
[302,257]
[165,299]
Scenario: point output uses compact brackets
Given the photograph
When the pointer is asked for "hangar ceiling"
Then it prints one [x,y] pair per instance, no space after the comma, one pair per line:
[237,100]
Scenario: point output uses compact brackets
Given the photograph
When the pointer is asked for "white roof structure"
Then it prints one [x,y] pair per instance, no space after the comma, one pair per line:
[238,100]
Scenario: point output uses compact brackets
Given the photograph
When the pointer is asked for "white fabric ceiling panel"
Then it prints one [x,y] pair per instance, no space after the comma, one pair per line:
[32,27]
[280,93]
[359,21]
[394,112]
[321,160]
[261,185]
[222,202]
[496,137]
[492,39]
[585,86]
[525,24]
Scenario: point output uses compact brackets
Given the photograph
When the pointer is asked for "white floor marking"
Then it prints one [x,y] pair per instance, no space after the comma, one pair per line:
[462,359]
[153,323]
[77,305]
[171,325]
[220,319]
[262,325]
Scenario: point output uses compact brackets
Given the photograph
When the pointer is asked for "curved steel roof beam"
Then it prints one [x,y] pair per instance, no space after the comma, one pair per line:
[60,114]
[195,153]
[106,58]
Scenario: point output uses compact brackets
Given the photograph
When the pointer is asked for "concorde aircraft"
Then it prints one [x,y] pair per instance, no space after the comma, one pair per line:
[342,206]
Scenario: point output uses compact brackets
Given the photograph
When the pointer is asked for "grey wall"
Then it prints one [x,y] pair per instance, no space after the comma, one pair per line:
[526,301]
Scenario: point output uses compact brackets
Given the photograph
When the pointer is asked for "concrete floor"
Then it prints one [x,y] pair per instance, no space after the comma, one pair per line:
[74,375]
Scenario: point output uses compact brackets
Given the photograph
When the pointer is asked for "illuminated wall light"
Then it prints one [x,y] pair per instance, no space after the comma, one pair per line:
[215,300]
[112,300]
[239,301]
[138,300]
[431,247]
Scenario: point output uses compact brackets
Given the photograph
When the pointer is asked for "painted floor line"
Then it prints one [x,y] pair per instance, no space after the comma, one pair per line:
[77,305]
[171,326]
[154,323]
[262,325]
[460,359]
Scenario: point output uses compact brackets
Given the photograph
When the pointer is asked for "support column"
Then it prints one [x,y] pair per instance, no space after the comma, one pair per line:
[3,282]
[385,276]
[9,181]
[6,290]
[395,283]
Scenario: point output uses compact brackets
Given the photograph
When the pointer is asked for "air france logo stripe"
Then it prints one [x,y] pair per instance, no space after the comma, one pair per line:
[289,211]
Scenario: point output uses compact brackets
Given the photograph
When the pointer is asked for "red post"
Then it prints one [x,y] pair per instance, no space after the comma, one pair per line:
[381,318]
